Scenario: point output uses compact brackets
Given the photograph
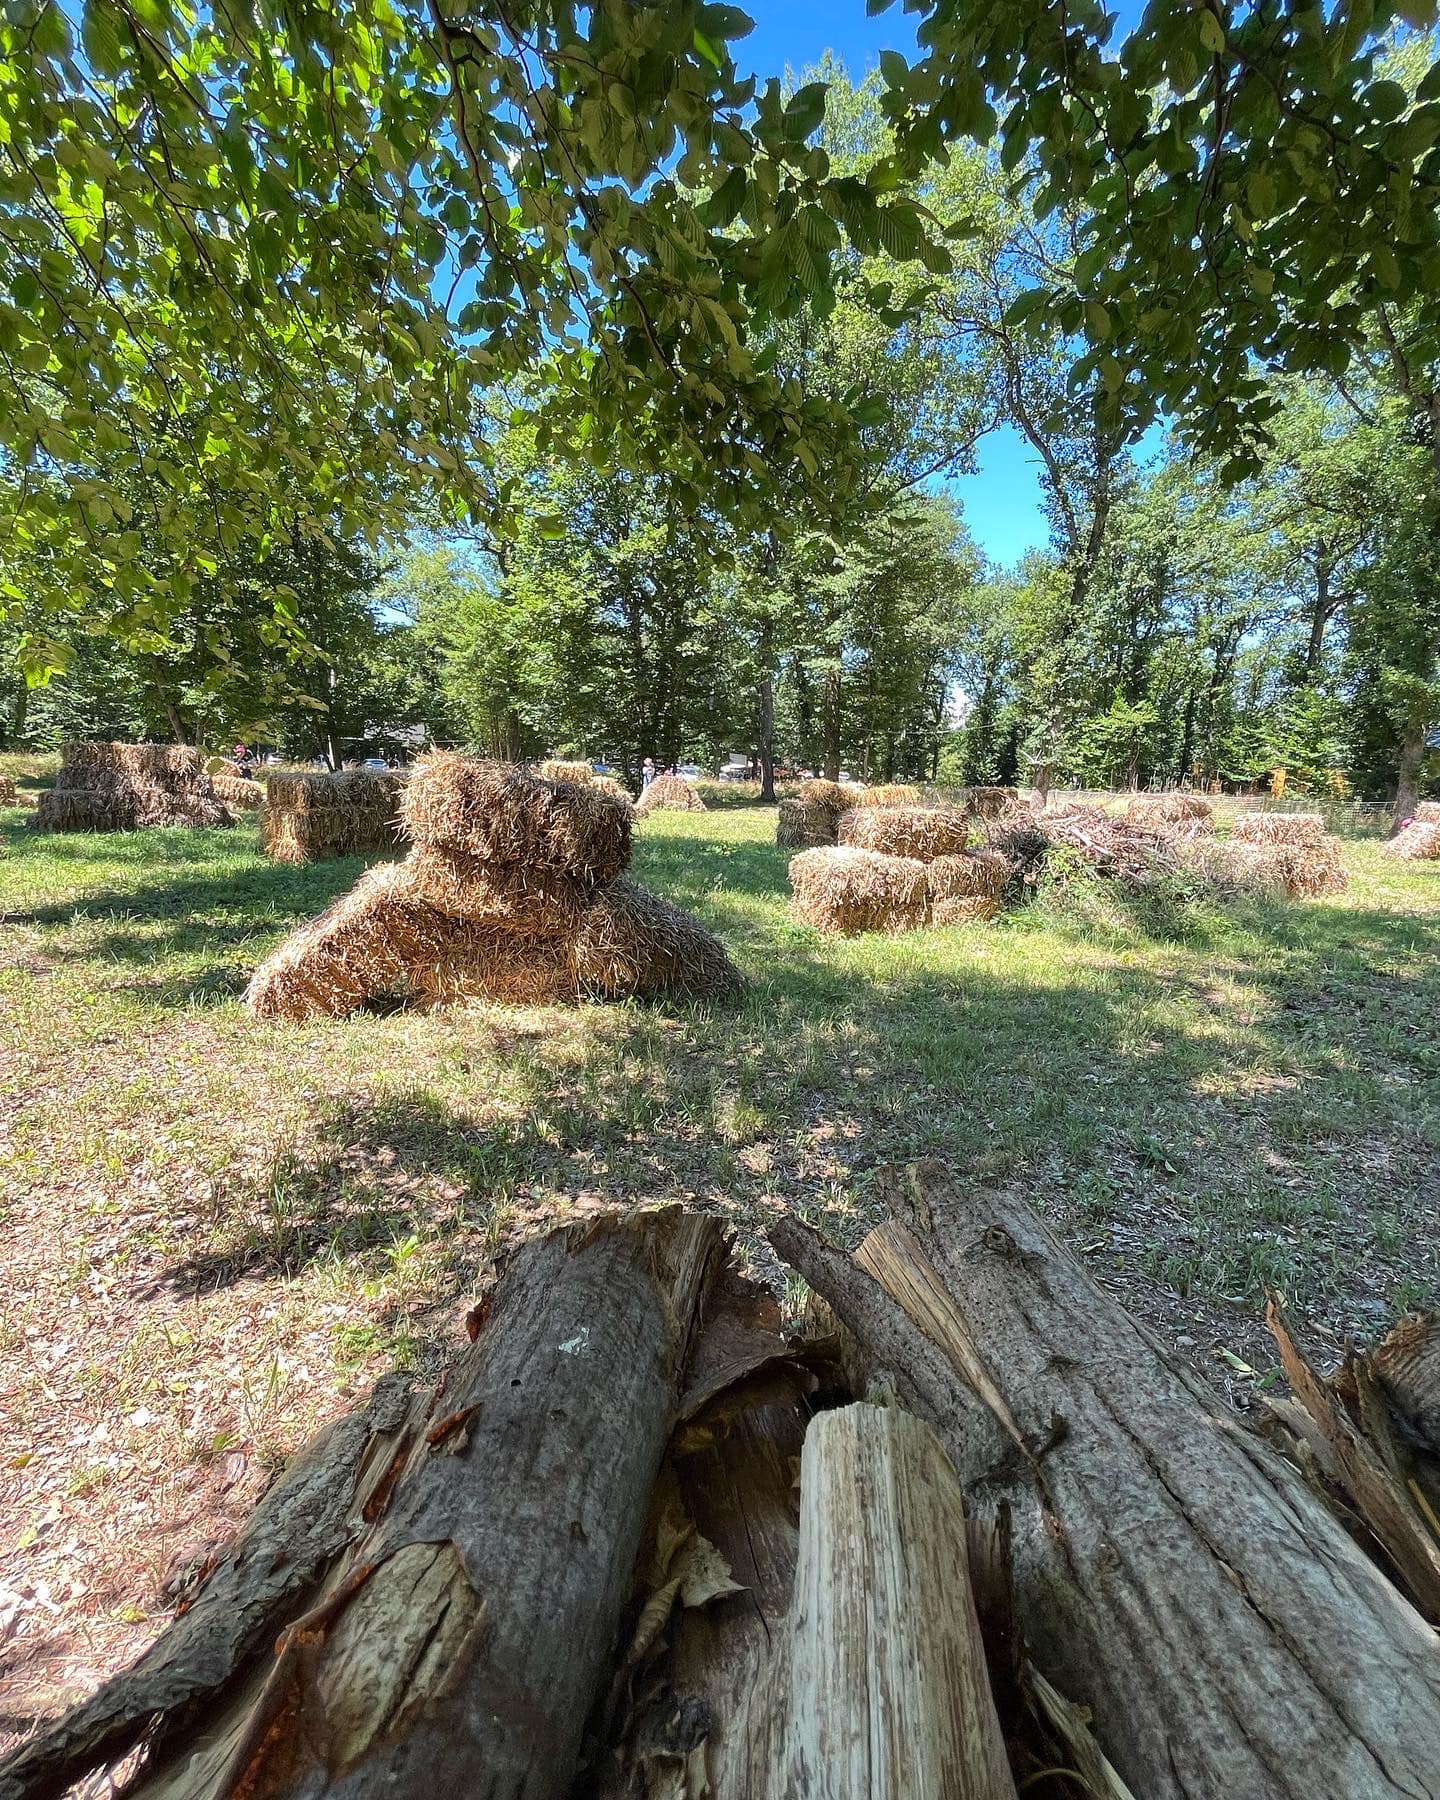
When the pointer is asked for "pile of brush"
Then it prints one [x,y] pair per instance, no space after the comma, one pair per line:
[812,819]
[1420,839]
[313,818]
[1290,853]
[897,869]
[987,802]
[668,793]
[129,787]
[1173,814]
[513,892]
[10,795]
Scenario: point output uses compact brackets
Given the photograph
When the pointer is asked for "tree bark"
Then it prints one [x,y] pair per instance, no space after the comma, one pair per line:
[889,1694]
[767,712]
[1409,774]
[1174,1575]
[830,724]
[457,1640]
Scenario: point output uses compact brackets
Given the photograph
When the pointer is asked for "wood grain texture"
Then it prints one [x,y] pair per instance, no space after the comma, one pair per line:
[889,1695]
[1174,1575]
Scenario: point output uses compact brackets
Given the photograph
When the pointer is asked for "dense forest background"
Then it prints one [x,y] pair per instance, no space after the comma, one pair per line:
[1182,624]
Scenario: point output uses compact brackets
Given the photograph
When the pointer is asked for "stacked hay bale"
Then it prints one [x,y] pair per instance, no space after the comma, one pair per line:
[10,794]
[1427,813]
[239,792]
[1173,814]
[312,818]
[130,787]
[924,832]
[1288,852]
[892,793]
[812,818]
[846,891]
[1418,842]
[668,793]
[513,892]
[555,769]
[966,889]
[897,869]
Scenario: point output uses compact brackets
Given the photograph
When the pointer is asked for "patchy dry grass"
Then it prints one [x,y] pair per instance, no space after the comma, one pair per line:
[215,1231]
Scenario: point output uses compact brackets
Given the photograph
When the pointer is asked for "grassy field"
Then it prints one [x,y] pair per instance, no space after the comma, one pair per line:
[216,1231]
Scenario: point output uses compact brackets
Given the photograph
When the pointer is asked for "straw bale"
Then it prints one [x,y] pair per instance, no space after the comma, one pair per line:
[1428,812]
[1278,828]
[633,944]
[313,818]
[893,793]
[835,796]
[607,784]
[379,940]
[383,940]
[556,770]
[803,825]
[505,896]
[1158,811]
[963,909]
[7,790]
[128,787]
[1418,842]
[496,812]
[919,831]
[848,891]
[668,793]
[990,802]
[1300,870]
[239,794]
[976,873]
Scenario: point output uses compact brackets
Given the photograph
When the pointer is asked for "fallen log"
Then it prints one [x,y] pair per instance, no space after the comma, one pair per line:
[1174,1576]
[452,1635]
[889,1694]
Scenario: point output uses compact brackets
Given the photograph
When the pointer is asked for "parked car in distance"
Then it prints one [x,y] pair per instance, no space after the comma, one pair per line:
[376,765]
[734,772]
[690,771]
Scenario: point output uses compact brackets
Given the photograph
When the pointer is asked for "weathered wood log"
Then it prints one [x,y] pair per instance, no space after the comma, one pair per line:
[706,1708]
[889,1695]
[457,1641]
[1174,1575]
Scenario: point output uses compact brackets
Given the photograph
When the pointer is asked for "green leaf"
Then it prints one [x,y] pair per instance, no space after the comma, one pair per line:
[895,69]
[1212,34]
[708,51]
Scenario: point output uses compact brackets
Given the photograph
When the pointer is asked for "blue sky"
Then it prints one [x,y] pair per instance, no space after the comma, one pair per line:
[1002,501]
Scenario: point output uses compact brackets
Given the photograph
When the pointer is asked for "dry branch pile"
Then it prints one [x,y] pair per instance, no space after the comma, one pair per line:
[1428,812]
[513,892]
[129,787]
[668,793]
[988,802]
[924,832]
[1418,842]
[639,1543]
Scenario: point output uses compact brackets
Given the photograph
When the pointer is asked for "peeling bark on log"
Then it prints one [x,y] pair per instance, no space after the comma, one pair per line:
[1174,1575]
[889,1695]
[458,1643]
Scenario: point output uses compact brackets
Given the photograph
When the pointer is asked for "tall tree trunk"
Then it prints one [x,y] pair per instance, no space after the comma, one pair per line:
[1173,1574]
[177,724]
[1409,774]
[830,723]
[1319,617]
[1187,736]
[767,718]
